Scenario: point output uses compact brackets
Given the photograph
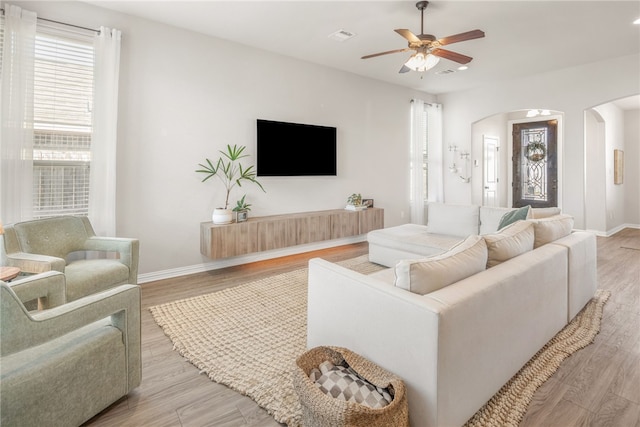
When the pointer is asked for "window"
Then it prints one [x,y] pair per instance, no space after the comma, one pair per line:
[63,97]
[426,157]
[420,153]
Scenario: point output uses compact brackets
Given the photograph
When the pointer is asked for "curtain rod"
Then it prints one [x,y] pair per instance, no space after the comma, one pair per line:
[63,23]
[426,103]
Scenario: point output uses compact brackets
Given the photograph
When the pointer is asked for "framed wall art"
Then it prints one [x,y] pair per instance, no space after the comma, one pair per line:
[618,166]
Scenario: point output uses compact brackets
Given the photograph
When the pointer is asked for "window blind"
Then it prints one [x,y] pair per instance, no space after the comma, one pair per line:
[63,96]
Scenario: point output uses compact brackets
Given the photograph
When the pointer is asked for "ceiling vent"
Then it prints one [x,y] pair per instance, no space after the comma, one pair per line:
[341,35]
[445,72]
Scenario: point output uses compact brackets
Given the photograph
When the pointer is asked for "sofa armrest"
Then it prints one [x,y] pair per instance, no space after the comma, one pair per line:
[128,250]
[396,329]
[49,288]
[583,277]
[34,263]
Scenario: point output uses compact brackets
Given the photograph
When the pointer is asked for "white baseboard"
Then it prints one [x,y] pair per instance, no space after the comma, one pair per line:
[613,231]
[620,228]
[244,259]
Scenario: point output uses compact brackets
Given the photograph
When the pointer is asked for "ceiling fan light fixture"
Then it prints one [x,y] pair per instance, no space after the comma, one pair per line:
[421,62]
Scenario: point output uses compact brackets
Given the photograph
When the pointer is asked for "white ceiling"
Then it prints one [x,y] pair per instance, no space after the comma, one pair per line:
[522,37]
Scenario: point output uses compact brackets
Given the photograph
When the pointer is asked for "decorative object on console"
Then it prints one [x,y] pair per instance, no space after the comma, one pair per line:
[242,209]
[230,171]
[354,202]
[367,202]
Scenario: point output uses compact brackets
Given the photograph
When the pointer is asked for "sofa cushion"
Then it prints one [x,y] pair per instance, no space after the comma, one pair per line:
[422,276]
[513,216]
[537,213]
[547,230]
[490,218]
[453,220]
[509,242]
[412,238]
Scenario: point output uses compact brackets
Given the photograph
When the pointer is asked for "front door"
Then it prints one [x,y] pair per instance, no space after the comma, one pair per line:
[535,164]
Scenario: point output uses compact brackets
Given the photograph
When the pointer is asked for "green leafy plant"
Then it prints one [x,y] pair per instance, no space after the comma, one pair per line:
[354,199]
[229,170]
[241,205]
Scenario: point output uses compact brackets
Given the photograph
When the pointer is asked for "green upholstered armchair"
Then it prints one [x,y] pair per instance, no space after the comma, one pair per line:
[64,364]
[53,244]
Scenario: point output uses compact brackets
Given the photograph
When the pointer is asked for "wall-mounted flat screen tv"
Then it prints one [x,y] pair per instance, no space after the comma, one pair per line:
[294,149]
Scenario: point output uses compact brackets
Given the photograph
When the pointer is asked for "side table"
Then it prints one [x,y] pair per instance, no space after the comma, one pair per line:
[8,273]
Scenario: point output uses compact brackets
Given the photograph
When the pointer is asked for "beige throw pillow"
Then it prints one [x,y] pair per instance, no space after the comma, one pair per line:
[538,213]
[425,275]
[553,228]
[511,241]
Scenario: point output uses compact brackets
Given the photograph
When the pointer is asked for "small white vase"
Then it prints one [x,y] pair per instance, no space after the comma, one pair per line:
[222,216]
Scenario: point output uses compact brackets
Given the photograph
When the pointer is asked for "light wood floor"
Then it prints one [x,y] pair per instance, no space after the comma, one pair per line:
[597,386]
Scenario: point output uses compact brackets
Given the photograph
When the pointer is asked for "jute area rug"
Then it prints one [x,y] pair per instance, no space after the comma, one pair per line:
[248,337]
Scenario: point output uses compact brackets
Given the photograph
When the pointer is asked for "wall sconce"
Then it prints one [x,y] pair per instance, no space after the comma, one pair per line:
[453,168]
[464,156]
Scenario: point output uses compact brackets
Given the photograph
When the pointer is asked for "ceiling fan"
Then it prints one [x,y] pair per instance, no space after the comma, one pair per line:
[428,48]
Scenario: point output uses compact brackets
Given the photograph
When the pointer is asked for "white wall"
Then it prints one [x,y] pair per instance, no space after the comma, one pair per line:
[613,118]
[632,167]
[570,90]
[184,96]
[595,163]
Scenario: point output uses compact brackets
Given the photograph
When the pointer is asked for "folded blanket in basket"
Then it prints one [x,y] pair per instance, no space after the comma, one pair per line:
[342,382]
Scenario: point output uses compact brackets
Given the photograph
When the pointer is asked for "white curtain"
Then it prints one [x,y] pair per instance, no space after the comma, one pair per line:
[102,192]
[418,135]
[16,115]
[435,178]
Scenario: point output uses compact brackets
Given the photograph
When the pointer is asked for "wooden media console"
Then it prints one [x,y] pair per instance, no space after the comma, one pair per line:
[280,231]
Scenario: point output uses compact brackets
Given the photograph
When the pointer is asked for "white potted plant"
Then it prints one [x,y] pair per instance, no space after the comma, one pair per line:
[230,171]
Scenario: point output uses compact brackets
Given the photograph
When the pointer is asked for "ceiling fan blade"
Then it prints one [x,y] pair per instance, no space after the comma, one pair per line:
[469,35]
[404,69]
[385,53]
[453,56]
[408,35]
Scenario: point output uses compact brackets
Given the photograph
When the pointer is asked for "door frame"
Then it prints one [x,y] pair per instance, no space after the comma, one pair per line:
[484,167]
[560,153]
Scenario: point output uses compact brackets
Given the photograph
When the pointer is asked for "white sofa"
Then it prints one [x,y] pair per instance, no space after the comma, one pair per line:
[447,226]
[456,346]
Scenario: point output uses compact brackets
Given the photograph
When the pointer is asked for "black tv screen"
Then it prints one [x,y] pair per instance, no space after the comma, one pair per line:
[293,149]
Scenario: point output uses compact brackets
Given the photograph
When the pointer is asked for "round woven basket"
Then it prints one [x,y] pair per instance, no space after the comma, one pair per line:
[322,410]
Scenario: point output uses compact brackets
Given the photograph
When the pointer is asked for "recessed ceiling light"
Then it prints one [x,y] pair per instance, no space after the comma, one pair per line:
[341,35]
[637,21]
[463,67]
